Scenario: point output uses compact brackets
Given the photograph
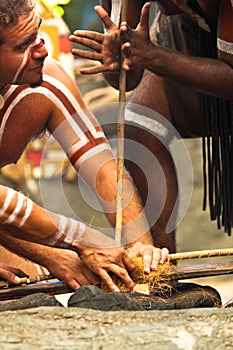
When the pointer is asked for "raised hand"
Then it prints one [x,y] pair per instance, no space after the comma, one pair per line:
[136,42]
[106,47]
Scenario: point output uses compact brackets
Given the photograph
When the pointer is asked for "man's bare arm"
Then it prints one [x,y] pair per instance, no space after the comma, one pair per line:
[98,167]
[23,219]
[61,263]
[210,76]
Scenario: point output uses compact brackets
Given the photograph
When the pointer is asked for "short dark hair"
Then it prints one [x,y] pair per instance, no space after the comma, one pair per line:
[11,10]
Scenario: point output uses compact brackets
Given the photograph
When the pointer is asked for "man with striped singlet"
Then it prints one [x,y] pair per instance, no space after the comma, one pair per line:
[37,94]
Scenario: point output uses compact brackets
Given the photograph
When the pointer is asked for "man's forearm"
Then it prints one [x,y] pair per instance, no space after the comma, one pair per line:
[103,181]
[23,219]
[210,76]
[32,251]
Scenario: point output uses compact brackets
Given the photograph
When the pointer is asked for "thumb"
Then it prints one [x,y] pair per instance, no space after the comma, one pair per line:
[144,18]
[10,277]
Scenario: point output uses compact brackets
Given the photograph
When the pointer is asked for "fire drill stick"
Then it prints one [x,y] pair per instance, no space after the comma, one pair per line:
[120,157]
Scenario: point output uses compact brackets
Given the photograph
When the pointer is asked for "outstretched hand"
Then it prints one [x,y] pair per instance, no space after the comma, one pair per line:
[132,44]
[106,47]
[135,42]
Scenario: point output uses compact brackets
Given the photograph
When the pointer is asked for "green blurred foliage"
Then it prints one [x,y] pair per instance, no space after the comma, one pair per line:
[80,14]
[55,6]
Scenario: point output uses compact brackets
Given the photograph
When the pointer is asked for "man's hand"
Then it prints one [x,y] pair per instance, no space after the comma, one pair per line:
[104,260]
[67,266]
[61,263]
[136,43]
[106,47]
[151,256]
[11,274]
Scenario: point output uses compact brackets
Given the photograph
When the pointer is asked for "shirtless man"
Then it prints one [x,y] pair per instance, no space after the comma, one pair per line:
[51,101]
[174,84]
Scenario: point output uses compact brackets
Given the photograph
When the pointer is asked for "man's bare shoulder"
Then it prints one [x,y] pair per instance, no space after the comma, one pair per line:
[54,69]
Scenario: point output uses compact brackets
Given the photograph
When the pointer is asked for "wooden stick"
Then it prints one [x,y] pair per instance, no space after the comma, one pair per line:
[28,280]
[201,270]
[120,158]
[201,254]
[58,287]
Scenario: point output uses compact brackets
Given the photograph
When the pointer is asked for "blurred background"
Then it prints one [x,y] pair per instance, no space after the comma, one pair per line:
[40,169]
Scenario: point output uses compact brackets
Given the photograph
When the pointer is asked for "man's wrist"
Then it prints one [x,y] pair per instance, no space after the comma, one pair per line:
[157,59]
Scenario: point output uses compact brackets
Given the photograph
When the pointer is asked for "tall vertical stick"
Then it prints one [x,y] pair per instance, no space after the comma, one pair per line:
[120,153]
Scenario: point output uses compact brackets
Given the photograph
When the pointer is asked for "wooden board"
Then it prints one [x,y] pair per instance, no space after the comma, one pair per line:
[57,287]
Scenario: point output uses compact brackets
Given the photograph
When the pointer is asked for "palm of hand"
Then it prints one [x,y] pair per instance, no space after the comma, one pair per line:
[111,51]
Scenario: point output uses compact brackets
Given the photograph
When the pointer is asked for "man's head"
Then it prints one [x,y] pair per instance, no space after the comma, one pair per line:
[22,52]
[11,10]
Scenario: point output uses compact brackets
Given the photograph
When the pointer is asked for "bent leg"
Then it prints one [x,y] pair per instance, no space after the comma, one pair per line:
[179,111]
[157,179]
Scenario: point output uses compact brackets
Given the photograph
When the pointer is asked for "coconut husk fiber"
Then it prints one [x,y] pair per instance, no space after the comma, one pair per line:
[156,280]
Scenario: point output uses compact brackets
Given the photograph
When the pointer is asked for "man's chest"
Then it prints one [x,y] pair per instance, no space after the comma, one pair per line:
[19,123]
[14,139]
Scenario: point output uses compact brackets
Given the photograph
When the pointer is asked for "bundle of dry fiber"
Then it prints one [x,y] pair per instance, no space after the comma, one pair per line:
[156,280]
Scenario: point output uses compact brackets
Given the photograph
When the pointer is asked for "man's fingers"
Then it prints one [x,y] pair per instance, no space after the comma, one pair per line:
[156,257]
[125,32]
[84,34]
[17,271]
[99,69]
[9,276]
[91,277]
[92,70]
[144,18]
[147,259]
[92,44]
[88,54]
[159,257]
[103,15]
[164,255]
[80,279]
[73,284]
[108,281]
[123,275]
[151,256]
[128,263]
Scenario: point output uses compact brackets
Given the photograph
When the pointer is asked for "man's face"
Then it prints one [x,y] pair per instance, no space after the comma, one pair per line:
[22,53]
